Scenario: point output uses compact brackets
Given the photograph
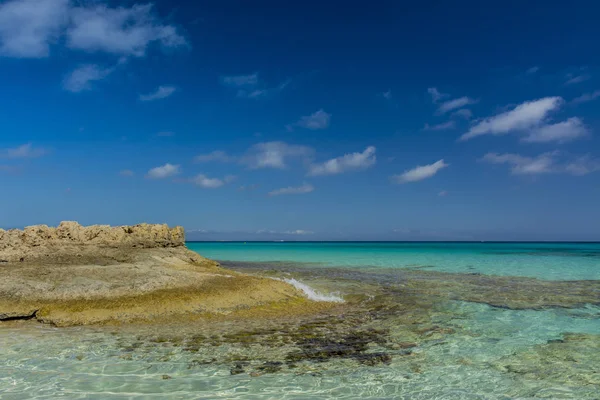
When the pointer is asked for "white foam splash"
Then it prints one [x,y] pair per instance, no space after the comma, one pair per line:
[312,293]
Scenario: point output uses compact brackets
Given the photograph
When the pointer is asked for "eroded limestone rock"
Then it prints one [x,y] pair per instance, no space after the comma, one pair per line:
[73,275]
[41,241]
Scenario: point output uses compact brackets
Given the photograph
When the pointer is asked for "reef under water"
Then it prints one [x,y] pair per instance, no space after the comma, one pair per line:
[402,333]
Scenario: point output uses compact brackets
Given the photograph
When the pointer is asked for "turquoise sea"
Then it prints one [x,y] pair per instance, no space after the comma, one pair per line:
[418,321]
[553,261]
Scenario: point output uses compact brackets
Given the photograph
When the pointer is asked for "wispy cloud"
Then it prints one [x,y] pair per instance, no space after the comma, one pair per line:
[24,151]
[123,31]
[573,79]
[270,233]
[586,97]
[463,113]
[316,121]
[305,188]
[250,87]
[440,127]
[583,165]
[161,92]
[301,232]
[561,132]
[252,94]
[275,155]
[387,95]
[164,171]
[217,155]
[345,163]
[241,80]
[550,162]
[454,104]
[524,117]
[420,172]
[28,28]
[521,165]
[81,78]
[533,70]
[436,95]
[443,193]
[259,93]
[205,182]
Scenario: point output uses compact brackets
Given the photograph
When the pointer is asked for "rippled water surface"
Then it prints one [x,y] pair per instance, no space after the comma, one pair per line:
[419,321]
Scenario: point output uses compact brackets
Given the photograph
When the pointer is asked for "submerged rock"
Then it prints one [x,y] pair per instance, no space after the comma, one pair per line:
[572,360]
[419,286]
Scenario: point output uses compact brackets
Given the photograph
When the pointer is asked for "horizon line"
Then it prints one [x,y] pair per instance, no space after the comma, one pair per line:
[395,241]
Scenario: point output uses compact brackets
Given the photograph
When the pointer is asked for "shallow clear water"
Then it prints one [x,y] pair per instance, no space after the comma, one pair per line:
[461,350]
[552,261]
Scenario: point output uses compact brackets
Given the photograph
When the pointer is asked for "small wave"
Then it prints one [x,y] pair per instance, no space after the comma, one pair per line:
[312,293]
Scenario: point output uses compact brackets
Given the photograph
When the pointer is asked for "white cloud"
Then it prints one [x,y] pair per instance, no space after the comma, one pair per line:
[305,188]
[533,70]
[443,193]
[298,232]
[347,162]
[440,127]
[573,79]
[217,155]
[454,104]
[261,93]
[241,80]
[436,95]
[318,120]
[523,117]
[164,171]
[420,172]
[81,78]
[123,31]
[561,132]
[387,95]
[463,113]
[273,232]
[161,92]
[211,183]
[253,94]
[274,155]
[29,27]
[584,98]
[551,162]
[521,165]
[126,173]
[249,86]
[199,231]
[24,151]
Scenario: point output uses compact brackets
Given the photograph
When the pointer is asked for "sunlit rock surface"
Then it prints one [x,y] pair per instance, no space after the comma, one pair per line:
[72,275]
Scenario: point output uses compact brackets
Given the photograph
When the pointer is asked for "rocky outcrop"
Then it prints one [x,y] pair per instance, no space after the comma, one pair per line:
[41,241]
[74,275]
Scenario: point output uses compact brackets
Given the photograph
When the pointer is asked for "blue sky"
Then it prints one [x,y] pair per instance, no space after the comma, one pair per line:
[303,120]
